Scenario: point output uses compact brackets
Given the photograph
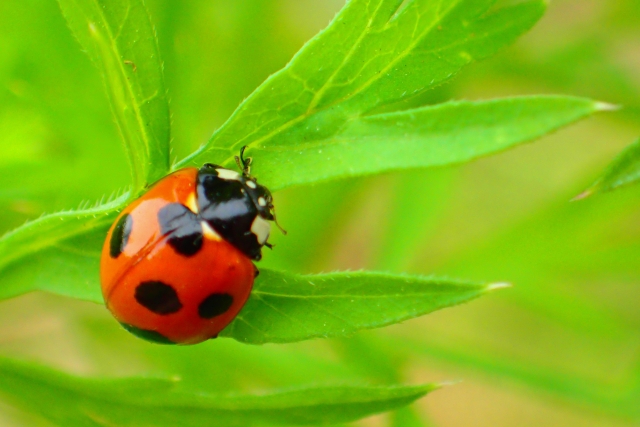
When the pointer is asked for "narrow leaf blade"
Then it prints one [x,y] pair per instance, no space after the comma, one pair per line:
[444,134]
[120,39]
[623,170]
[284,307]
[71,401]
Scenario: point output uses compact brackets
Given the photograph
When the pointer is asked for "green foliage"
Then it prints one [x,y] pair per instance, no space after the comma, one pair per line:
[75,401]
[438,135]
[371,55]
[54,243]
[624,170]
[119,38]
[286,307]
[356,100]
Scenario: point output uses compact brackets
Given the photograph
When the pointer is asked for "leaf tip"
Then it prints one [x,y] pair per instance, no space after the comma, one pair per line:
[499,285]
[605,106]
[448,383]
[583,195]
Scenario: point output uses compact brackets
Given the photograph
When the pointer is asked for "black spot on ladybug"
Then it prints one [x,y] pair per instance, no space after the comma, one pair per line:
[182,227]
[120,235]
[146,334]
[214,305]
[158,297]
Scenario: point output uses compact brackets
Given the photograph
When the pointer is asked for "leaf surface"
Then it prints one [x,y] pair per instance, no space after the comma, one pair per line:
[444,134]
[285,307]
[623,170]
[374,53]
[120,39]
[70,401]
[58,253]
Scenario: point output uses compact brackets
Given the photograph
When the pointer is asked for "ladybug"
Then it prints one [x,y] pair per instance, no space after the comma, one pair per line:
[177,263]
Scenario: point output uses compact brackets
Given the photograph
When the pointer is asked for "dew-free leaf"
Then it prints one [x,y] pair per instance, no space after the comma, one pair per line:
[120,39]
[374,53]
[70,401]
[285,307]
[623,170]
[58,253]
[444,134]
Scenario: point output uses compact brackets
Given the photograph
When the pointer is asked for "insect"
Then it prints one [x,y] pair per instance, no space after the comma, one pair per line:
[177,264]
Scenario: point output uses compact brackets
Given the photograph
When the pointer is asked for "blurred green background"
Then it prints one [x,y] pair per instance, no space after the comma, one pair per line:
[562,347]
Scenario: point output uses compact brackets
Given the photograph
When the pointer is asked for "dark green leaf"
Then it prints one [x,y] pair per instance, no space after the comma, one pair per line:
[71,401]
[624,170]
[375,52]
[285,307]
[119,38]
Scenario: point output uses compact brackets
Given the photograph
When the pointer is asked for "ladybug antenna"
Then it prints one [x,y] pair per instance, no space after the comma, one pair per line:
[273,213]
[244,164]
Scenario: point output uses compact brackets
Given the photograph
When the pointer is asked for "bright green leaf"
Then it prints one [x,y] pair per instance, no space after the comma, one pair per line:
[57,253]
[71,401]
[624,170]
[444,134]
[284,307]
[374,53]
[120,39]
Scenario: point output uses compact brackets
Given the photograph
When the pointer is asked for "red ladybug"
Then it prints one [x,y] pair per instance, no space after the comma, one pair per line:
[176,266]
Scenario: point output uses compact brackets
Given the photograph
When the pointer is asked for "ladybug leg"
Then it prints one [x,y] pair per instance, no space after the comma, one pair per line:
[244,164]
[256,272]
[269,245]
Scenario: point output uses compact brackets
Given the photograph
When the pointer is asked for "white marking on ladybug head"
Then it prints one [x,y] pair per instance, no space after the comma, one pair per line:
[228,174]
[209,232]
[261,228]
[191,203]
[251,184]
[262,202]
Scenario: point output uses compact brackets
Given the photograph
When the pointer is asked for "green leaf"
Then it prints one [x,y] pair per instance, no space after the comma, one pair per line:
[284,307]
[444,134]
[120,39]
[374,53]
[624,170]
[58,253]
[70,401]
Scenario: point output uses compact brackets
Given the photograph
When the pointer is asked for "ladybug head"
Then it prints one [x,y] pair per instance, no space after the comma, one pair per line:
[263,200]
[260,194]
